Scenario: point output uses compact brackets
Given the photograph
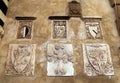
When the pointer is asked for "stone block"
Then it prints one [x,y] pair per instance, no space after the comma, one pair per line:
[59,60]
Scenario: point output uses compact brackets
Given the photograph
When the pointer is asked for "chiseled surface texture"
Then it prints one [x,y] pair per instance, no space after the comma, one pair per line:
[42,9]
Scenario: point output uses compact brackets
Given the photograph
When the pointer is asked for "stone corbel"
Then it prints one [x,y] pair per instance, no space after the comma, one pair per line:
[59,17]
[25,18]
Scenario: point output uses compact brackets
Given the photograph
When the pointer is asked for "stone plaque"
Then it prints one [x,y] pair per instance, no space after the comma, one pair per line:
[74,9]
[24,29]
[97,60]
[59,29]
[93,28]
[21,59]
[59,60]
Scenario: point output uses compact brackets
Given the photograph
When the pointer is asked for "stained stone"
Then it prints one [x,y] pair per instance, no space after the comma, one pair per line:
[21,59]
[97,60]
[24,29]
[93,27]
[59,29]
[42,31]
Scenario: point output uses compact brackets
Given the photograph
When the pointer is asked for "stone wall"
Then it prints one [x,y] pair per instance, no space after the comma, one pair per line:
[42,9]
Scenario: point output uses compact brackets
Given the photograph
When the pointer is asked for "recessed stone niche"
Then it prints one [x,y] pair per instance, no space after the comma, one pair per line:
[21,59]
[25,27]
[97,59]
[93,27]
[59,27]
[59,60]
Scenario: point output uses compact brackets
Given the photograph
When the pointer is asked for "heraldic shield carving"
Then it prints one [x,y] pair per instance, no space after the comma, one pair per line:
[21,59]
[97,60]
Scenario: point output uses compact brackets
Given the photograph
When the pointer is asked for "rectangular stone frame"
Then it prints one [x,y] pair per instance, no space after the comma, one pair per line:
[53,30]
[21,60]
[97,59]
[93,33]
[25,27]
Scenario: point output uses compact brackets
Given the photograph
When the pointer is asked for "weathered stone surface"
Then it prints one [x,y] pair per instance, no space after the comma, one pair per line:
[42,31]
[93,27]
[97,59]
[59,29]
[21,60]
[59,60]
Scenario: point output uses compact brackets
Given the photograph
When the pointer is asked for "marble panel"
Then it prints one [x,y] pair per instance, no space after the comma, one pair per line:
[59,60]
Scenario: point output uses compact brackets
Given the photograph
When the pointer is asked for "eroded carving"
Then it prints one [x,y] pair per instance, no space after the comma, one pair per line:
[97,60]
[59,60]
[59,29]
[93,28]
[24,29]
[74,9]
[21,59]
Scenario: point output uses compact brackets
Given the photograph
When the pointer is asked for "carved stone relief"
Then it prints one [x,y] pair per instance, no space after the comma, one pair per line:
[59,29]
[21,59]
[24,29]
[74,9]
[59,60]
[97,60]
[93,28]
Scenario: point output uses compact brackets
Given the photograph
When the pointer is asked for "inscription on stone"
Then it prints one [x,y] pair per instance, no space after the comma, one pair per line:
[97,60]
[21,59]
[59,60]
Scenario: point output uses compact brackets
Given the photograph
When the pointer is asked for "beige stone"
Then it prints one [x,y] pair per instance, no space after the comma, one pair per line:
[97,59]
[42,31]
[21,60]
